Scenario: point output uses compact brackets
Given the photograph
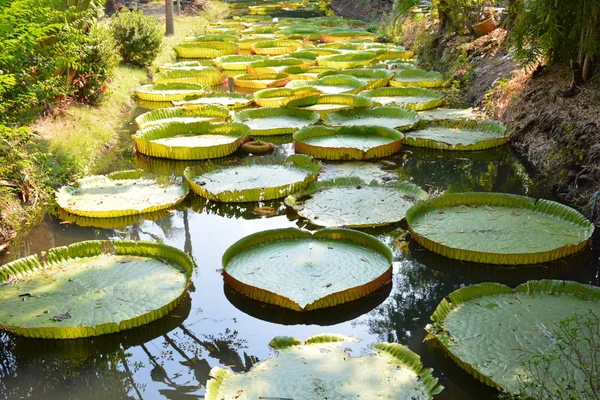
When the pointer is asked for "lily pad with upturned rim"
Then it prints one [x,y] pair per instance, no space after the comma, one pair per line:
[389,117]
[229,100]
[407,97]
[491,331]
[350,60]
[207,76]
[92,288]
[306,271]
[205,49]
[333,84]
[497,228]
[280,97]
[348,142]
[276,121]
[168,91]
[418,78]
[261,81]
[458,135]
[275,65]
[375,78]
[351,203]
[253,181]
[275,47]
[235,62]
[191,141]
[327,103]
[119,194]
[209,113]
[320,369]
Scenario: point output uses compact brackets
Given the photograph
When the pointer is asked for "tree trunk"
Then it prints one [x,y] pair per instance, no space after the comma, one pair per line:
[512,13]
[443,13]
[169,18]
[587,71]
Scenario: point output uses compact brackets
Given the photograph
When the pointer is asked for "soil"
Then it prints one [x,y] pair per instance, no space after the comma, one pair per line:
[365,10]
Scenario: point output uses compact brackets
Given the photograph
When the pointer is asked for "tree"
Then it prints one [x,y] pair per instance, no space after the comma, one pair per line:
[169,18]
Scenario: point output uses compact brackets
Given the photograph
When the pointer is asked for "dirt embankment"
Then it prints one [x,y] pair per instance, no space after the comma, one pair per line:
[560,136]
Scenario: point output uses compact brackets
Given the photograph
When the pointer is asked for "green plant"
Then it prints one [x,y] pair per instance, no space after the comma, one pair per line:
[577,344]
[552,31]
[139,36]
[463,14]
[97,65]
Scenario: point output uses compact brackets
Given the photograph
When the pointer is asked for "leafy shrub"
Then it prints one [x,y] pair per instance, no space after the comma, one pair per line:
[139,36]
[465,13]
[96,66]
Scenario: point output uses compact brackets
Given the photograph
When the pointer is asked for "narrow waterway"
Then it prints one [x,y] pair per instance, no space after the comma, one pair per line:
[171,358]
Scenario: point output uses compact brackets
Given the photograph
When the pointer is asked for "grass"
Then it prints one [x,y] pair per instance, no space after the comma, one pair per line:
[71,143]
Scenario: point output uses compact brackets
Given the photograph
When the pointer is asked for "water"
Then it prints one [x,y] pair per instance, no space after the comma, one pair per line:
[171,358]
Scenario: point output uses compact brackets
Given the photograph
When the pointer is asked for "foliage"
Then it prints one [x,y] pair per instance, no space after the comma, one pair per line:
[139,36]
[464,13]
[577,345]
[97,65]
[548,30]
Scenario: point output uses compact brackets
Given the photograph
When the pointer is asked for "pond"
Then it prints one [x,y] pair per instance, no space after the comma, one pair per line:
[214,326]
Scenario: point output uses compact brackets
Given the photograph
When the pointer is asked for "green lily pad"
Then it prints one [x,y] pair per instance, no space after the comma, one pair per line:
[490,330]
[119,194]
[375,78]
[111,223]
[320,369]
[305,271]
[92,288]
[213,38]
[450,114]
[498,228]
[235,62]
[229,100]
[181,65]
[168,91]
[411,98]
[276,121]
[209,113]
[418,78]
[327,103]
[350,60]
[348,142]
[205,49]
[261,81]
[280,97]
[334,84]
[343,35]
[275,65]
[207,76]
[190,141]
[457,135]
[275,47]
[253,181]
[389,117]
[349,202]
[367,171]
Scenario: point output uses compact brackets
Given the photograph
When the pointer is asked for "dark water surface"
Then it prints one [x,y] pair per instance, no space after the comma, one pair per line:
[171,358]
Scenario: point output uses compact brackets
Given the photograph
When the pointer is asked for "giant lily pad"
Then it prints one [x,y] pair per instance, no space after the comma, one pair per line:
[215,37]
[205,49]
[348,142]
[375,78]
[119,194]
[209,113]
[344,35]
[390,117]
[498,228]
[275,47]
[418,78]
[350,203]
[168,91]
[181,65]
[234,62]
[261,81]
[275,66]
[450,114]
[276,121]
[334,84]
[190,141]
[490,330]
[324,104]
[208,76]
[412,98]
[229,100]
[279,97]
[254,181]
[459,136]
[306,271]
[350,60]
[92,288]
[320,369]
